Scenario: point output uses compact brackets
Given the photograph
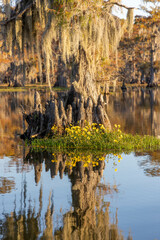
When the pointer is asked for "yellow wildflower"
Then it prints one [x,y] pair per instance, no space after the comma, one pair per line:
[102,127]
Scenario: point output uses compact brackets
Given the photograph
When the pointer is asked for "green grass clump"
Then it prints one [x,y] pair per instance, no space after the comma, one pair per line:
[5,88]
[96,137]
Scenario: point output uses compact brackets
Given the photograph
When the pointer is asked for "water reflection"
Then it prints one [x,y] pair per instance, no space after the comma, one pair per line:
[137,110]
[71,164]
[11,119]
[6,185]
[151,165]
[25,224]
[45,195]
[88,217]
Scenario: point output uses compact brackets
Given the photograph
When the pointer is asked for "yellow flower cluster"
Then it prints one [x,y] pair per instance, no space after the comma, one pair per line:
[118,133]
[117,126]
[77,132]
[54,129]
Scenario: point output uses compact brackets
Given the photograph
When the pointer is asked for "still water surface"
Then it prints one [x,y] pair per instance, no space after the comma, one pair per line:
[45,195]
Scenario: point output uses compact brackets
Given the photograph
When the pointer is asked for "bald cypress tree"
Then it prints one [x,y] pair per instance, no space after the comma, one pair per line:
[70,38]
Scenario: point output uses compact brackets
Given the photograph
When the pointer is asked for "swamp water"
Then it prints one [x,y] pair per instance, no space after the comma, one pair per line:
[48,195]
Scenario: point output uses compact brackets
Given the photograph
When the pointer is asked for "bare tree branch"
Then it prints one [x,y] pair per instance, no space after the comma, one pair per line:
[120,5]
[18,15]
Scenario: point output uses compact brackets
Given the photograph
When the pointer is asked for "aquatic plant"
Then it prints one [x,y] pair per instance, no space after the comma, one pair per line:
[96,137]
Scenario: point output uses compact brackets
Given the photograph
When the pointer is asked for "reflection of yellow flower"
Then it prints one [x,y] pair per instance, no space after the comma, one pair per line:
[53,160]
[85,164]
[115,169]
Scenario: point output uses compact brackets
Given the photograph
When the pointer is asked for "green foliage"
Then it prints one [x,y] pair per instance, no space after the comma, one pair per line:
[96,137]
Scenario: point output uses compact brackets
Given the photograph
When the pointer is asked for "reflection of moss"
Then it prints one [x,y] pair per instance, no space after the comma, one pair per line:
[6,185]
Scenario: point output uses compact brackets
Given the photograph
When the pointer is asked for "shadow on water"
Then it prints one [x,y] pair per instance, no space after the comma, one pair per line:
[88,217]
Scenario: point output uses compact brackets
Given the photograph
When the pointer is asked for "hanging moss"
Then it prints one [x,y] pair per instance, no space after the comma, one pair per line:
[130,20]
[7,8]
[10,35]
[75,27]
[18,32]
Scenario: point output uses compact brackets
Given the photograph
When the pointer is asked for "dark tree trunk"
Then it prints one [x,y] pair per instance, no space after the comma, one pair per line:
[152,82]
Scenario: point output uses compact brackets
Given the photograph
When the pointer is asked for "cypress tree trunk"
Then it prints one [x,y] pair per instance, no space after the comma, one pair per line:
[152,80]
[152,68]
[82,103]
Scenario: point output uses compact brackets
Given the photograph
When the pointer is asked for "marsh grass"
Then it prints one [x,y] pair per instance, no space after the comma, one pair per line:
[4,88]
[96,137]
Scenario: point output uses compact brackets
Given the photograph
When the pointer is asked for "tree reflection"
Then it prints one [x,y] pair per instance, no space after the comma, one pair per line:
[11,119]
[26,223]
[6,185]
[151,163]
[89,216]
[138,112]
